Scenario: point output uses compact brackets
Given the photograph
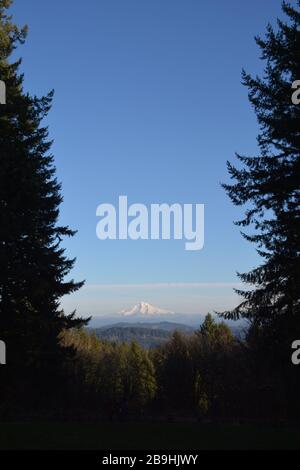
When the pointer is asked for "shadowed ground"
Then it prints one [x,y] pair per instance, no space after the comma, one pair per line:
[141,436]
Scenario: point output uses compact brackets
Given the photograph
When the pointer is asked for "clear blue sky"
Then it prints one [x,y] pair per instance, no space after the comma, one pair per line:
[148,103]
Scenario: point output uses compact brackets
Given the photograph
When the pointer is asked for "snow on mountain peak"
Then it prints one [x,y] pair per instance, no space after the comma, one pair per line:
[145,309]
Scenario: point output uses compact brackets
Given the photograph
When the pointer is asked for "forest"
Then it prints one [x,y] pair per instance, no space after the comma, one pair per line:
[57,369]
[207,376]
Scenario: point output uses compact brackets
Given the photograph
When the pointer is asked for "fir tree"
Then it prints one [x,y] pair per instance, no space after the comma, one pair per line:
[33,263]
[269,186]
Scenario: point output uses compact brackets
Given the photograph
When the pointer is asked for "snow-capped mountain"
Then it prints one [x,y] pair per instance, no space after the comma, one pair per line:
[145,310]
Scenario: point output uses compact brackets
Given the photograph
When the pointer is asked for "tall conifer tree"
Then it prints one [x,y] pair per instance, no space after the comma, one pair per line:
[33,265]
[269,186]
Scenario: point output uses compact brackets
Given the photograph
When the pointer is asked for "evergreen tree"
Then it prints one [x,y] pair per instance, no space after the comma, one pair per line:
[208,326]
[175,373]
[269,186]
[214,333]
[33,264]
[140,378]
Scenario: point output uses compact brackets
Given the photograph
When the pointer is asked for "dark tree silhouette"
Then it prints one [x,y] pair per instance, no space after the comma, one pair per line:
[269,186]
[33,264]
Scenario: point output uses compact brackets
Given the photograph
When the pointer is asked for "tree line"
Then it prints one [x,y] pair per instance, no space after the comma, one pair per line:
[210,375]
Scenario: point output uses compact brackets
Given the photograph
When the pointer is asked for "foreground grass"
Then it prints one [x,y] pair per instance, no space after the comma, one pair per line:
[144,436]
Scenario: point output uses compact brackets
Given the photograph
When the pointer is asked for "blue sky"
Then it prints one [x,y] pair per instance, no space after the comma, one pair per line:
[149,104]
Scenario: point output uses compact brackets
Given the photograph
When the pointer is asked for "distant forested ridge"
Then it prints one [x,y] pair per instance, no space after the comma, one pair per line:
[150,335]
[147,335]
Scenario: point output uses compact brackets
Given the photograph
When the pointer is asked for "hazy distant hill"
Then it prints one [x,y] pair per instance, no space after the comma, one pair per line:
[161,325]
[147,335]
